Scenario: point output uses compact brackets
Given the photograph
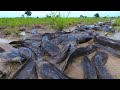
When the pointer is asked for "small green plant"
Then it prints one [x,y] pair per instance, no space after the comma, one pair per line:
[16,31]
[7,31]
[10,30]
[57,21]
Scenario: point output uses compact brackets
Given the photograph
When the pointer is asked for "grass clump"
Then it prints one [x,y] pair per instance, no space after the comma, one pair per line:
[116,22]
[10,30]
[7,31]
[16,31]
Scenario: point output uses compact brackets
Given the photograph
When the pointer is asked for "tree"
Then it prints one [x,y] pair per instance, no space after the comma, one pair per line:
[22,16]
[48,16]
[28,13]
[57,16]
[81,16]
[97,15]
[105,17]
[85,16]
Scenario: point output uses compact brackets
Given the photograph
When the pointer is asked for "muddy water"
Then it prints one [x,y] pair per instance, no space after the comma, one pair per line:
[4,43]
[75,70]
[4,40]
[115,36]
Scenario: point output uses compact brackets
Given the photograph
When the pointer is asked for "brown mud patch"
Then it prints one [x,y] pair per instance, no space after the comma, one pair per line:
[113,66]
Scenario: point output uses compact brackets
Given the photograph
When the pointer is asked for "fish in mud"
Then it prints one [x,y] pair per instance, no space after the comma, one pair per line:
[46,70]
[99,60]
[88,68]
[115,44]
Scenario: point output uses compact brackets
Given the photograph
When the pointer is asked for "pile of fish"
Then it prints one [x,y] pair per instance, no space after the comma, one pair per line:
[41,55]
[101,26]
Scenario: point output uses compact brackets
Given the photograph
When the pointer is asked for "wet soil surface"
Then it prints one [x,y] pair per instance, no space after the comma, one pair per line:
[75,69]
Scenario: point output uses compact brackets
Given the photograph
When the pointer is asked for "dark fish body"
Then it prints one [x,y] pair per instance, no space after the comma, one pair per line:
[107,29]
[88,68]
[83,51]
[16,55]
[112,51]
[101,56]
[27,71]
[107,42]
[26,42]
[82,27]
[72,49]
[55,35]
[50,47]
[47,70]
[103,23]
[33,45]
[10,56]
[71,39]
[84,37]
[36,50]
[25,53]
[75,38]
[62,56]
[60,39]
[99,60]
[77,52]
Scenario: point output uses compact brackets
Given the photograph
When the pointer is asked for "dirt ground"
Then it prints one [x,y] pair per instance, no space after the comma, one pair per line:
[74,70]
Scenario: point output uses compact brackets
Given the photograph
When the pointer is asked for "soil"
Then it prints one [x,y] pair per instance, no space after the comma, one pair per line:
[74,70]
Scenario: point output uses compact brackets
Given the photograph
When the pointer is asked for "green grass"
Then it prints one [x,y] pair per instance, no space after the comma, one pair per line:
[92,20]
[117,22]
[57,23]
[12,22]
[10,30]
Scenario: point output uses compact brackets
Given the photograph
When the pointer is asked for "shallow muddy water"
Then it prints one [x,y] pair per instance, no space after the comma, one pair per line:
[4,41]
[115,36]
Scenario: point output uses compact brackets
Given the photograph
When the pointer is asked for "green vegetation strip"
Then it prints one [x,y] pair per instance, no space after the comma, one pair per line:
[11,22]
[58,22]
